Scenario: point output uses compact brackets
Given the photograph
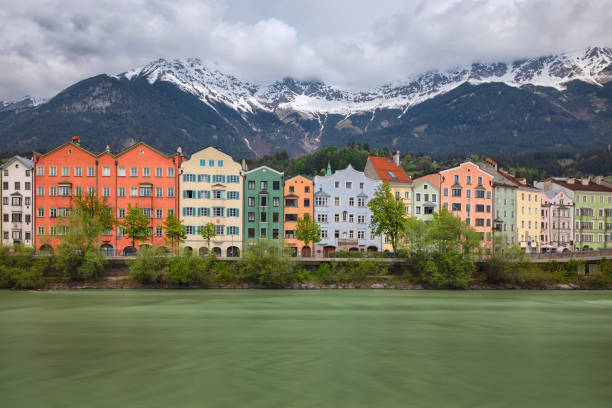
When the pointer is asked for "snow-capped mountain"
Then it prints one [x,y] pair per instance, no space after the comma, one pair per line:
[592,65]
[25,102]
[552,102]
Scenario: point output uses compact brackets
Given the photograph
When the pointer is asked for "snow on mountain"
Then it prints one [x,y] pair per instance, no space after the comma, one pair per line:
[25,102]
[592,65]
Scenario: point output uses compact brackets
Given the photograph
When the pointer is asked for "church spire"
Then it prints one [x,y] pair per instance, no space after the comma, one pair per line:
[328,172]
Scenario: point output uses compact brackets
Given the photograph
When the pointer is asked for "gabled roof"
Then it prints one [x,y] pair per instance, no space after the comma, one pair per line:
[578,186]
[298,177]
[489,172]
[96,154]
[433,179]
[27,163]
[264,167]
[387,170]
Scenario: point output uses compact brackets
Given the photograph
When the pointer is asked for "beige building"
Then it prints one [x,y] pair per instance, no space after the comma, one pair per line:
[211,186]
[528,217]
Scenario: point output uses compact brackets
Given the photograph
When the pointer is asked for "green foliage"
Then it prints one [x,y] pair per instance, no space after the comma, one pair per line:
[447,269]
[449,234]
[417,166]
[19,269]
[262,263]
[416,236]
[79,265]
[308,231]
[150,266]
[188,270]
[175,231]
[349,272]
[388,214]
[208,233]
[136,225]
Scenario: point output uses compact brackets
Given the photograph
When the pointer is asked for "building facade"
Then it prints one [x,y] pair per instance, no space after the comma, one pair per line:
[298,202]
[17,202]
[211,188]
[426,197]
[342,213]
[528,217]
[467,191]
[263,205]
[389,169]
[557,221]
[140,176]
[592,210]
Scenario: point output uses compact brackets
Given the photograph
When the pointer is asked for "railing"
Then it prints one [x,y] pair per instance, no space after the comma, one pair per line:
[598,253]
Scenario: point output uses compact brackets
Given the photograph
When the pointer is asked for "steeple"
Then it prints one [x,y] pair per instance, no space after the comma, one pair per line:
[329,171]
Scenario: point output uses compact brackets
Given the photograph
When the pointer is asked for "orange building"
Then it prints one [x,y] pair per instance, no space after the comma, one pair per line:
[140,176]
[298,201]
[467,191]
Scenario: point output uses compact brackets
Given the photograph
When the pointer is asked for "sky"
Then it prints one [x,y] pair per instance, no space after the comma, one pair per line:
[47,45]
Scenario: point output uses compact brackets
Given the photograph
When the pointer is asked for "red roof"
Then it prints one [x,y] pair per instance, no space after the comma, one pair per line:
[433,179]
[388,171]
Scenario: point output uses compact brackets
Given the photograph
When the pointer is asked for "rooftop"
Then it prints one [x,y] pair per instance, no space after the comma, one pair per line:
[388,171]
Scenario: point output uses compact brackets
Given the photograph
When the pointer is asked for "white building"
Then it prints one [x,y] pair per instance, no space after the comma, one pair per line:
[17,209]
[342,212]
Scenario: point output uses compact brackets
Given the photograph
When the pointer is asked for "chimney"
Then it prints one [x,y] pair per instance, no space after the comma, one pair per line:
[585,181]
[491,162]
[244,165]
[179,150]
[76,140]
[522,180]
[396,157]
[571,180]
[107,148]
[598,180]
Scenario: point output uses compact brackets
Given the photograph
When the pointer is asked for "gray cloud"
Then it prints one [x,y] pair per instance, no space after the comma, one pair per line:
[46,45]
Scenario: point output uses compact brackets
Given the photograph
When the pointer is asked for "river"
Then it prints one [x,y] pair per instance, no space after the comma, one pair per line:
[326,348]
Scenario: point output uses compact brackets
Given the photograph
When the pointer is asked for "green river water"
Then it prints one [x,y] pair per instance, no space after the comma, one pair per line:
[327,348]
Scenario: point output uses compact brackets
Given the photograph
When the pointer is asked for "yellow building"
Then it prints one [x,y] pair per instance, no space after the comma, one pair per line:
[528,209]
[211,186]
[390,170]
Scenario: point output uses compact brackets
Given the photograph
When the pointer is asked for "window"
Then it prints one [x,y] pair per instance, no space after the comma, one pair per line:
[323,234]
[276,185]
[251,232]
[361,201]
[456,178]
[52,171]
[159,192]
[189,177]
[480,207]
[275,201]
[337,201]
[232,212]
[133,171]
[146,191]
[479,180]
[203,212]
[336,184]
[263,217]
[217,194]
[233,230]
[263,185]
[159,172]
[322,218]
[218,211]
[211,163]
[40,212]
[159,213]
[361,219]
[468,193]
[233,195]
[170,171]
[40,171]
[41,230]
[121,213]
[263,201]
[468,179]
[233,179]
[289,234]
[146,172]
[479,222]
[306,189]
[456,192]
[218,178]
[91,171]
[291,202]
[445,192]
[263,233]
[106,172]
[417,210]
[418,197]
[106,191]
[52,191]
[189,230]
[349,185]
[188,211]
[336,217]
[275,233]
[351,218]
[320,201]
[147,212]
[251,217]
[251,201]
[360,234]
[275,217]
[170,192]
[480,193]
[16,201]
[351,201]
[456,207]
[133,191]
[121,172]
[90,191]
[251,185]
[158,231]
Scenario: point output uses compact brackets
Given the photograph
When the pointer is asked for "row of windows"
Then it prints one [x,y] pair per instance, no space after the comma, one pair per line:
[591,225]
[588,212]
[16,217]
[591,198]
[479,208]
[61,230]
[6,172]
[263,185]
[425,197]
[350,234]
[208,212]
[211,178]
[16,235]
[77,171]
[591,238]
[322,201]
[456,192]
[65,212]
[220,230]
[468,179]
[211,163]
[345,217]
[263,217]
[214,194]
[16,201]
[294,202]
[263,201]
[263,233]
[306,189]
[348,185]
[27,185]
[142,191]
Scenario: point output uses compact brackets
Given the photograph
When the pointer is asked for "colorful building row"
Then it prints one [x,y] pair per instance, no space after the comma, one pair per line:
[248,205]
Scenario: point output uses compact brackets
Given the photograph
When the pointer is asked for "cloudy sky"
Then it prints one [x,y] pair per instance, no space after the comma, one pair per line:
[46,45]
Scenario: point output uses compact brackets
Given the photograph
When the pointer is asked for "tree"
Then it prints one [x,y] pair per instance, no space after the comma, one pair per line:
[136,225]
[388,214]
[79,256]
[175,230]
[416,235]
[308,231]
[449,234]
[208,233]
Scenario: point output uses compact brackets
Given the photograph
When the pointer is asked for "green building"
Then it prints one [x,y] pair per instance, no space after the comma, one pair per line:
[263,205]
[504,204]
[593,210]
[426,196]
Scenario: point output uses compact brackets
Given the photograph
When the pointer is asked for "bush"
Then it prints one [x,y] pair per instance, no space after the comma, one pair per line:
[223,272]
[262,263]
[150,266]
[447,269]
[345,272]
[77,265]
[19,269]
